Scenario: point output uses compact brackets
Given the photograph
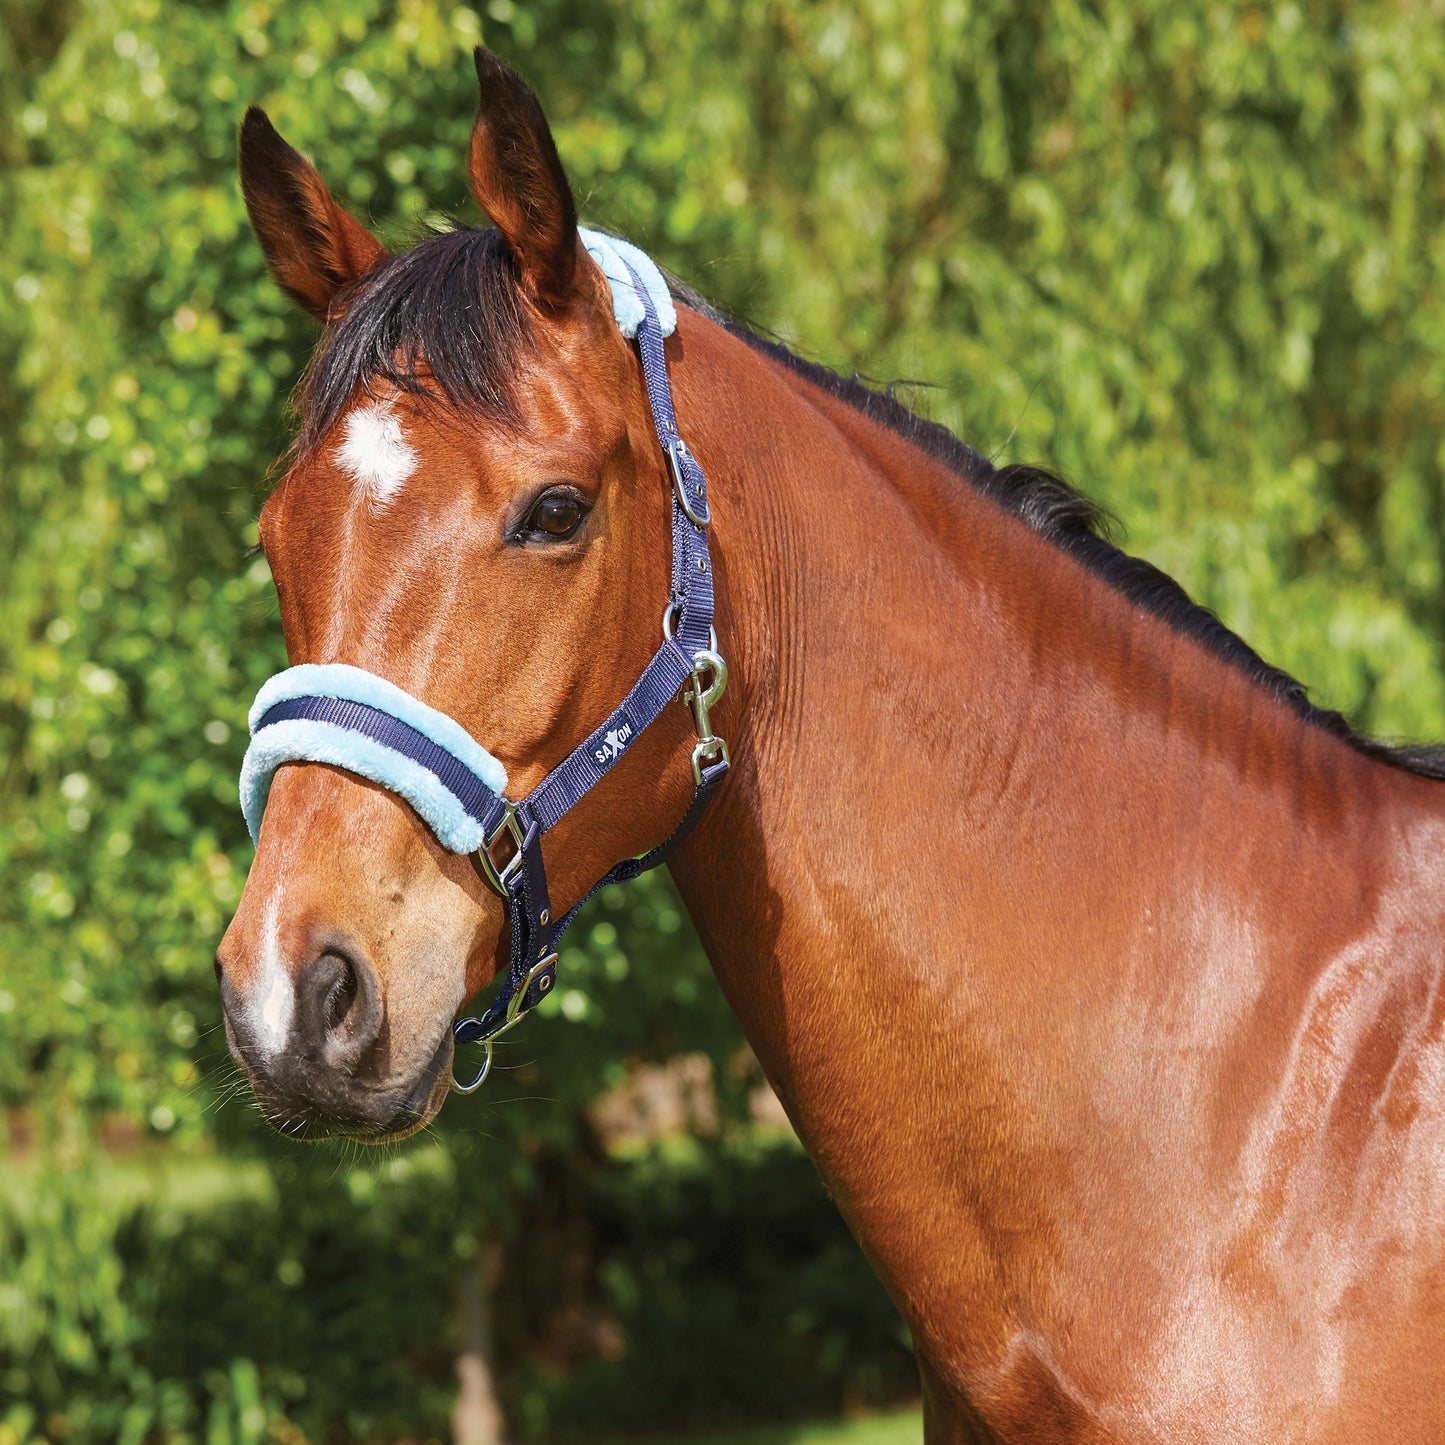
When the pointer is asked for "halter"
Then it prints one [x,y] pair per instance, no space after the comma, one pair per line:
[358,721]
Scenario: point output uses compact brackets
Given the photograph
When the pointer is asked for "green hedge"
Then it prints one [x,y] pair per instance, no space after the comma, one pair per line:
[704,1285]
[1186,254]
[1189,255]
[738,1294]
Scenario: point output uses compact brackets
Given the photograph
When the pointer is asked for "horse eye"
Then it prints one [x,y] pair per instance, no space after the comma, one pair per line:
[556,515]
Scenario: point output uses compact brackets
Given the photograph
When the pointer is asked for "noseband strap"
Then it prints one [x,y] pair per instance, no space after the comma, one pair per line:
[356,720]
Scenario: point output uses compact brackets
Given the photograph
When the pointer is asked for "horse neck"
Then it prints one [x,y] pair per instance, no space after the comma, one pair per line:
[992,834]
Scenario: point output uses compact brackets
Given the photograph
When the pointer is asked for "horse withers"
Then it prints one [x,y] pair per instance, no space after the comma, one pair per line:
[1097,970]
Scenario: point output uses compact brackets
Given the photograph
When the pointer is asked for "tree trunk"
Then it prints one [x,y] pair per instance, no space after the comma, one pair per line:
[477,1416]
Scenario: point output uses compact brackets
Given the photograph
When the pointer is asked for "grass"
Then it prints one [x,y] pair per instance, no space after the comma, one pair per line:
[900,1427]
[186,1182]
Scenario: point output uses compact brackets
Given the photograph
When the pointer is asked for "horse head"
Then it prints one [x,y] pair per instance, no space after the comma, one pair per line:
[475,510]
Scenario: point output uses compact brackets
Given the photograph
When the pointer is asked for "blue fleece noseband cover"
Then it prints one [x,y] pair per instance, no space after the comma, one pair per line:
[356,720]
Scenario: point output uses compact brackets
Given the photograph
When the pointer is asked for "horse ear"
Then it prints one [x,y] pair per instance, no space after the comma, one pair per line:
[518,179]
[311,245]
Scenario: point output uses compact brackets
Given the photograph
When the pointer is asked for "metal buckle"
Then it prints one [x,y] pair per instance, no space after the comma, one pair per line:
[514,1015]
[677,449]
[498,877]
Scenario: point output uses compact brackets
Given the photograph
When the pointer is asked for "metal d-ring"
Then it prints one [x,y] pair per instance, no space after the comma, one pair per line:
[516,1012]
[669,621]
[460,1088]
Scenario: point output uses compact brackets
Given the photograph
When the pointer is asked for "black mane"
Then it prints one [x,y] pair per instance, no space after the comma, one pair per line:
[1080,527]
[447,315]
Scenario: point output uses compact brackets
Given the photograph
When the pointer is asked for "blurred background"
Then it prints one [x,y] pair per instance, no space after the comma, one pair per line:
[1187,254]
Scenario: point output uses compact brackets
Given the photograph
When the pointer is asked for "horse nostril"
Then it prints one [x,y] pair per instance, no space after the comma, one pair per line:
[338,1008]
[340,997]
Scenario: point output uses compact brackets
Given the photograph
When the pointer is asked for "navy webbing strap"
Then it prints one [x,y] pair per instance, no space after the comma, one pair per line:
[535,933]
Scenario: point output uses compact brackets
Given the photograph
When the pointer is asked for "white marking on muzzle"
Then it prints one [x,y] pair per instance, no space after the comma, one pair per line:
[274,999]
[375,452]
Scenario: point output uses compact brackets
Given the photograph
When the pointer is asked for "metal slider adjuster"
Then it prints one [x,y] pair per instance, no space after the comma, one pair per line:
[498,876]
[694,503]
[516,1012]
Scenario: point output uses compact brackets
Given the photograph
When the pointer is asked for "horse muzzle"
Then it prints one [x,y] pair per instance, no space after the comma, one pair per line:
[315,1048]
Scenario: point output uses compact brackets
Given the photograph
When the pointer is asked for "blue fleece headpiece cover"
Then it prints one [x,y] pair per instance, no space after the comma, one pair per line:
[611,253]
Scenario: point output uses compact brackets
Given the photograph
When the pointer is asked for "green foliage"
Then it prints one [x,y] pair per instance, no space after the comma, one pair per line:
[319,1302]
[1185,254]
[239,1307]
[732,1258]
[148,362]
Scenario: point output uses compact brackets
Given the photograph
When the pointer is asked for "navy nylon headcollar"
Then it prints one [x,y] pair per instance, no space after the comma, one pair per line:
[358,721]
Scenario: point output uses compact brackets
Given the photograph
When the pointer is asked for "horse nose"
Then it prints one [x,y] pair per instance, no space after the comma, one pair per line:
[329,1014]
[311,1043]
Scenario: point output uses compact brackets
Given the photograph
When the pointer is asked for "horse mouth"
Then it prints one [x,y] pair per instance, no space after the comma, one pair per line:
[428,1095]
[372,1116]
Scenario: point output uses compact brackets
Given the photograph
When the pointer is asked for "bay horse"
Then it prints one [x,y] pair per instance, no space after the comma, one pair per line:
[1098,971]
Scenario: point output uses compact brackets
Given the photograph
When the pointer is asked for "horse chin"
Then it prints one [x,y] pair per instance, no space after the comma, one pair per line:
[424,1102]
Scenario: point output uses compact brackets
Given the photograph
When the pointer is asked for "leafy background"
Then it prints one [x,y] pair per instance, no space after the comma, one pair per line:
[1187,254]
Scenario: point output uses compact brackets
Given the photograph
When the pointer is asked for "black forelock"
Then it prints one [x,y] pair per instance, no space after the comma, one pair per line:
[445,317]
